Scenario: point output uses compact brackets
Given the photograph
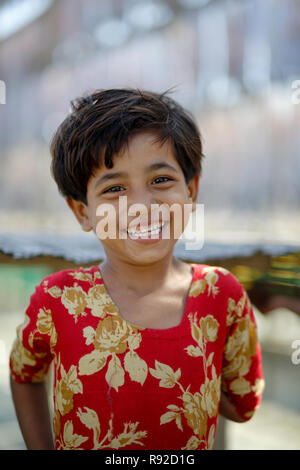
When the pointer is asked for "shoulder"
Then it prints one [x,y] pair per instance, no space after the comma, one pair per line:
[218,278]
[68,278]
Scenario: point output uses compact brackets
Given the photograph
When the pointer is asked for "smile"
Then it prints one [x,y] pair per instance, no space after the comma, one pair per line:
[146,232]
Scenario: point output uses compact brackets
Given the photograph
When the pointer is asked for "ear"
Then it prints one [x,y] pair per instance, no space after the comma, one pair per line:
[80,210]
[193,189]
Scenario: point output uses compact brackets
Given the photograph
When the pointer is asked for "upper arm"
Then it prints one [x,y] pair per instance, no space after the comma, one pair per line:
[32,352]
[242,375]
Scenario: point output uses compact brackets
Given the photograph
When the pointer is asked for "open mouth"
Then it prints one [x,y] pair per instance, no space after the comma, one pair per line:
[147,232]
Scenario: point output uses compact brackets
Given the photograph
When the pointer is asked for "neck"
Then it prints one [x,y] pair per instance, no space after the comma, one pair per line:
[140,278]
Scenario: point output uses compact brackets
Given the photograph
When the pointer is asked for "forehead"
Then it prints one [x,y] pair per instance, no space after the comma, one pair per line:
[145,146]
[144,153]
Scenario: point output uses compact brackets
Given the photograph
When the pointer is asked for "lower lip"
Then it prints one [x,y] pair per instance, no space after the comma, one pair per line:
[147,241]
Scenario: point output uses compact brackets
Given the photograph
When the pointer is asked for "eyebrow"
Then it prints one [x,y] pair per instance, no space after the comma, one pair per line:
[121,174]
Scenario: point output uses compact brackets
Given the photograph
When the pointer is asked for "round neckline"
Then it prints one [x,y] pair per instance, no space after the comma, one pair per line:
[157,331]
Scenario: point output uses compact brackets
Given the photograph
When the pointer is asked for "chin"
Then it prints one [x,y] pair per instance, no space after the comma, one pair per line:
[148,253]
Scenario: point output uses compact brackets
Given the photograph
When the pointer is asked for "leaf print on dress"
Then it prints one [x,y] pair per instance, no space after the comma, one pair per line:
[85,274]
[211,277]
[90,419]
[114,336]
[235,309]
[30,362]
[136,367]
[197,407]
[168,378]
[68,385]
[240,386]
[66,388]
[46,326]
[191,408]
[208,282]
[240,348]
[115,373]
[129,436]
[20,356]
[239,351]
[70,440]
[203,331]
[98,300]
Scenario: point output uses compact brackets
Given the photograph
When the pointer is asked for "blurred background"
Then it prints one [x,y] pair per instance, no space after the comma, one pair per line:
[235,64]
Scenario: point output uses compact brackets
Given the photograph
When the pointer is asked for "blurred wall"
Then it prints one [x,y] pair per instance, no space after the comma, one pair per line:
[232,64]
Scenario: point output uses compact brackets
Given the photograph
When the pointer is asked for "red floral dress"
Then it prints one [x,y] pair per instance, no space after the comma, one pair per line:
[120,386]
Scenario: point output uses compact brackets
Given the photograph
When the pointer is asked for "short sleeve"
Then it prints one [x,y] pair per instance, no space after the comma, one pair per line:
[242,374]
[32,351]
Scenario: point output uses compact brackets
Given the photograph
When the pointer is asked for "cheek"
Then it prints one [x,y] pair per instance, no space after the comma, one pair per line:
[180,211]
[106,221]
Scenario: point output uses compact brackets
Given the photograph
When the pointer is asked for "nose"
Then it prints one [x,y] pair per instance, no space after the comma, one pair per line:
[141,203]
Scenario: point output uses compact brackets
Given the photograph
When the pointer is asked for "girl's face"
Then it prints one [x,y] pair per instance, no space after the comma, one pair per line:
[148,174]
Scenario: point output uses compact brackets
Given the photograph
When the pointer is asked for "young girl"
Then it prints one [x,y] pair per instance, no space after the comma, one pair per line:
[147,350]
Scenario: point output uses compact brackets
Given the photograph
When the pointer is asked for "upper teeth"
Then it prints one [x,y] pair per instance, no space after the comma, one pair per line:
[145,230]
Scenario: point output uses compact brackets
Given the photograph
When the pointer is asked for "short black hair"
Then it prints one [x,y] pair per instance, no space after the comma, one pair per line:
[100,124]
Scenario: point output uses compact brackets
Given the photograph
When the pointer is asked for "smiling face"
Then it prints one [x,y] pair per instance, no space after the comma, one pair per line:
[147,173]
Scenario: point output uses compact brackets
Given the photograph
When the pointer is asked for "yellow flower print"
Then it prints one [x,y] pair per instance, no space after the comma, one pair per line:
[75,300]
[240,386]
[209,326]
[129,436]
[207,331]
[82,276]
[66,388]
[46,326]
[239,366]
[211,278]
[196,408]
[21,357]
[235,309]
[57,424]
[259,386]
[193,412]
[112,334]
[211,437]
[197,287]
[243,341]
[99,302]
[211,394]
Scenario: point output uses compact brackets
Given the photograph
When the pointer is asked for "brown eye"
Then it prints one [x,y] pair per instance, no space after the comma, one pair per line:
[113,190]
[165,178]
